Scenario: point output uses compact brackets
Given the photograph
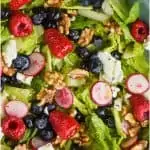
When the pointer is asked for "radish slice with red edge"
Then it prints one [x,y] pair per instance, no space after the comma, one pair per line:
[64,97]
[137,84]
[37,142]
[101,93]
[16,108]
[37,61]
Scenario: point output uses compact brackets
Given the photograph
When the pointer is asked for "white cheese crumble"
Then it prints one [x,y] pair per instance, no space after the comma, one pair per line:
[24,79]
[147,43]
[111,67]
[10,49]
[118,104]
[115,91]
[46,147]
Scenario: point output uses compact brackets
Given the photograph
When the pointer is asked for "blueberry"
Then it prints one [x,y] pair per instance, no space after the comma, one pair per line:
[37,19]
[103,112]
[97,41]
[13,80]
[41,122]
[53,14]
[116,55]
[37,110]
[21,63]
[5,79]
[37,10]
[51,107]
[94,64]
[85,2]
[47,135]
[79,117]
[97,3]
[5,13]
[74,35]
[110,122]
[49,24]
[29,121]
[83,52]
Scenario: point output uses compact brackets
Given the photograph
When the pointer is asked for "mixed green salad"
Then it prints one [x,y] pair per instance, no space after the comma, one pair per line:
[74,75]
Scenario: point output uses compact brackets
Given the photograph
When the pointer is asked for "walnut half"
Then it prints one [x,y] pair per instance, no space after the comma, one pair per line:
[86,37]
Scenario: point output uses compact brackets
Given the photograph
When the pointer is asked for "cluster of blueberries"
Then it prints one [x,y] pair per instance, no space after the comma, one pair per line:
[38,118]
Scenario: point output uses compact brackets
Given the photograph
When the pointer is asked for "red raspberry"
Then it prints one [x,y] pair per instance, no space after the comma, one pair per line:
[139,30]
[20,25]
[59,45]
[140,107]
[13,127]
[16,4]
[65,126]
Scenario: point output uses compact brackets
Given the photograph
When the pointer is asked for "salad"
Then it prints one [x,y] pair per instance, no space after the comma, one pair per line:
[74,75]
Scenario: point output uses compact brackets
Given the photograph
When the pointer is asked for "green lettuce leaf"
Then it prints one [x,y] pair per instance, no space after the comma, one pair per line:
[27,44]
[5,34]
[4,2]
[134,13]
[83,94]
[35,3]
[100,133]
[73,4]
[82,22]
[121,8]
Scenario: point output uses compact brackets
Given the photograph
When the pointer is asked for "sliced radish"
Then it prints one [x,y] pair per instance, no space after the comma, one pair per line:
[37,142]
[101,93]
[137,83]
[16,108]
[64,97]
[37,64]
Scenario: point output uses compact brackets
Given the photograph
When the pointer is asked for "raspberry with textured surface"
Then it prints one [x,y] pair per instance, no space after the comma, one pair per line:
[20,25]
[13,127]
[16,4]
[139,30]
[64,125]
[59,45]
[140,107]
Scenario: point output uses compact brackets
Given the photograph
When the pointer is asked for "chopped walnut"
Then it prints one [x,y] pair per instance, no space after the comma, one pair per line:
[53,3]
[72,12]
[86,37]
[6,70]
[134,131]
[54,79]
[141,145]
[57,141]
[124,110]
[130,118]
[64,24]
[81,137]
[46,96]
[78,74]
[145,123]
[72,112]
[113,27]
[129,142]
[21,147]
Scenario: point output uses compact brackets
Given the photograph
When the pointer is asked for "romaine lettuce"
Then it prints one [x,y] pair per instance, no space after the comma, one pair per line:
[5,34]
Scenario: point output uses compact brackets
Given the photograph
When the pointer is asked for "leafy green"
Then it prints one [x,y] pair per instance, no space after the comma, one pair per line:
[98,16]
[29,134]
[5,147]
[5,34]
[124,28]
[133,49]
[4,2]
[82,22]
[100,133]
[118,125]
[134,13]
[21,94]
[48,56]
[37,83]
[83,95]
[27,44]
[121,8]
[80,106]
[57,64]
[144,134]
[73,4]
[70,61]
[35,3]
